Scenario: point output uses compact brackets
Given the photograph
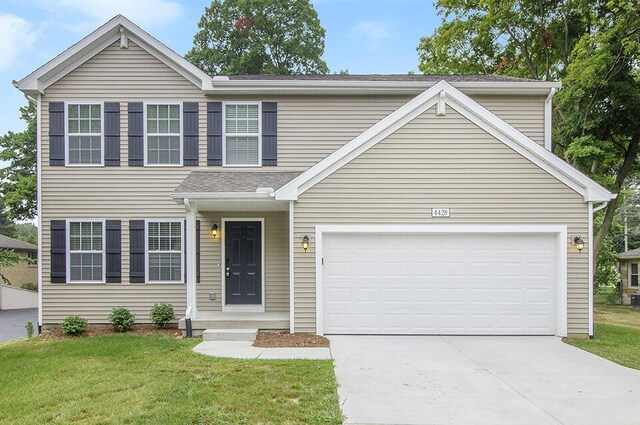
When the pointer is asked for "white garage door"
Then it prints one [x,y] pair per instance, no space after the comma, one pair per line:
[439,284]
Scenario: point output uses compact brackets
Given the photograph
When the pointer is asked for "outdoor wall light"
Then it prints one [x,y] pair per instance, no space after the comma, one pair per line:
[579,243]
[214,231]
[305,243]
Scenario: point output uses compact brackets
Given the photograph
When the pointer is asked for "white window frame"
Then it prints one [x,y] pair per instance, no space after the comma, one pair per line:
[631,285]
[147,252]
[146,135]
[66,131]
[224,134]
[104,250]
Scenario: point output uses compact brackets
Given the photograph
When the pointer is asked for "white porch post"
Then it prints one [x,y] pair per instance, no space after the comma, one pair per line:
[190,231]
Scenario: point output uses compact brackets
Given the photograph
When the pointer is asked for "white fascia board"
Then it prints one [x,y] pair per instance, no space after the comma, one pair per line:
[589,189]
[223,195]
[95,42]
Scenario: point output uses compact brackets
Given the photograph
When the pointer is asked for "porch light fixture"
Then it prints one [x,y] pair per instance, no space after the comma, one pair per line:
[214,231]
[579,243]
[305,243]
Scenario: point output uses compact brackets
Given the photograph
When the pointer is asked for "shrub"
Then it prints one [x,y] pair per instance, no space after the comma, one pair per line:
[121,319]
[614,295]
[29,328]
[74,325]
[30,286]
[161,314]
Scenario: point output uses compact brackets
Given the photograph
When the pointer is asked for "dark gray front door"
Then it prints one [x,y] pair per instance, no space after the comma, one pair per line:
[243,252]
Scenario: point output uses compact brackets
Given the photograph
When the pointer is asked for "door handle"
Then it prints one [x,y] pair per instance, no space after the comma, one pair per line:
[228,269]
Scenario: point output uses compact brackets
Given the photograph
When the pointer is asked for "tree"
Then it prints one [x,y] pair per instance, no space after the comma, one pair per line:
[27,232]
[259,37]
[7,227]
[521,38]
[599,130]
[8,258]
[18,181]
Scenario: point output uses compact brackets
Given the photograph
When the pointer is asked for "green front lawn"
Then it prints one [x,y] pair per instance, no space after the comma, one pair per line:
[617,335]
[130,379]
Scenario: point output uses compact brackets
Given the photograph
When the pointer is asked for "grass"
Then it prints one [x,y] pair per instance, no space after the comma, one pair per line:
[617,335]
[132,379]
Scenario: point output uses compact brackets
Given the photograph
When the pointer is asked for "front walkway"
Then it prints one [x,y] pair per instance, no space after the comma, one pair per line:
[244,350]
[12,323]
[480,380]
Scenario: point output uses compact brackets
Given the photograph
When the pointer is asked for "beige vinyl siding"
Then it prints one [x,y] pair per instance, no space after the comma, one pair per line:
[276,267]
[444,162]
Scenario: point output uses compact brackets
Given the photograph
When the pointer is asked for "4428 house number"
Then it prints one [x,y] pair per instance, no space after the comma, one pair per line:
[440,212]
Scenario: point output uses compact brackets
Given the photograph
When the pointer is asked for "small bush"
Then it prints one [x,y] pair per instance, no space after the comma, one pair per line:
[161,314]
[614,295]
[121,319]
[74,325]
[30,286]
[29,328]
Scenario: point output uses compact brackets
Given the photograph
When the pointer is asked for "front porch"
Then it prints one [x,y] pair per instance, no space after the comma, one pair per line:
[236,320]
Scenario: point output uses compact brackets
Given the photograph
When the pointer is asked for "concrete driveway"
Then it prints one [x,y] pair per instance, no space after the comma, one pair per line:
[12,323]
[480,380]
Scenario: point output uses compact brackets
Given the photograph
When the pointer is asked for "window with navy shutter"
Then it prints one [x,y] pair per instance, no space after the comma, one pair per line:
[56,133]
[136,134]
[58,251]
[112,134]
[214,133]
[190,134]
[136,251]
[113,251]
[269,134]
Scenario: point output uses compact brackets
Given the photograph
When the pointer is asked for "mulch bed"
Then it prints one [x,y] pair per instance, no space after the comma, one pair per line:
[286,339]
[98,330]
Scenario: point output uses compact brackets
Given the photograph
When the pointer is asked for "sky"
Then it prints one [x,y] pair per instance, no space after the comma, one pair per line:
[362,36]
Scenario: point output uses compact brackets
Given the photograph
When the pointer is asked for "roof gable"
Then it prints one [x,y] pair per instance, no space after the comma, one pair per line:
[117,29]
[9,243]
[440,95]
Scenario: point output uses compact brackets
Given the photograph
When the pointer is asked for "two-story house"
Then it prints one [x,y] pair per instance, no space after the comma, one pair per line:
[359,204]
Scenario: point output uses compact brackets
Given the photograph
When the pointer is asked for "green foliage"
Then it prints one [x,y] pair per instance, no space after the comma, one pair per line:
[30,286]
[521,38]
[74,325]
[161,314]
[259,37]
[7,226]
[29,328]
[8,258]
[121,319]
[27,232]
[18,182]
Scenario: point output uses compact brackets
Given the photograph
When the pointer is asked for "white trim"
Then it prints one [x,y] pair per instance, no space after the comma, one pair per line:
[559,230]
[224,134]
[548,120]
[39,199]
[252,308]
[66,131]
[591,263]
[292,293]
[89,251]
[190,237]
[476,113]
[145,134]
[146,250]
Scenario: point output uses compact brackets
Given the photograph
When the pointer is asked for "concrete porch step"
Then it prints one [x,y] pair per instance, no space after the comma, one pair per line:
[236,320]
[229,334]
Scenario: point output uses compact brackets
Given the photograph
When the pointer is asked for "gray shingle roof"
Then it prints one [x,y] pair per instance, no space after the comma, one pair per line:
[385,77]
[632,253]
[233,181]
[10,243]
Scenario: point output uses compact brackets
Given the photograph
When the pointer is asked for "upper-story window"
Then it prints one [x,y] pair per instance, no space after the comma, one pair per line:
[84,125]
[164,126]
[242,134]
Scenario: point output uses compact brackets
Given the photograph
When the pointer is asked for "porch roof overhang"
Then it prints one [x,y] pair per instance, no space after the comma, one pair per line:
[233,190]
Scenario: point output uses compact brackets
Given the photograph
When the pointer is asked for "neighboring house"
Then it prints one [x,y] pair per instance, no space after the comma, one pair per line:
[385,204]
[25,272]
[628,267]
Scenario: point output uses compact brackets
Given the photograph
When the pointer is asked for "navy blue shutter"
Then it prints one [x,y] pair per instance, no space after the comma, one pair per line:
[190,133]
[136,134]
[56,133]
[114,251]
[269,133]
[58,251]
[197,251]
[112,134]
[214,133]
[136,251]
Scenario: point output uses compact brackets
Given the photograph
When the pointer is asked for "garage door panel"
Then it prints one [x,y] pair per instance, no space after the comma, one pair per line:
[439,284]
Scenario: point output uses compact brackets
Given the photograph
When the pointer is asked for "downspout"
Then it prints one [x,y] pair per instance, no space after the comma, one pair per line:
[592,211]
[548,117]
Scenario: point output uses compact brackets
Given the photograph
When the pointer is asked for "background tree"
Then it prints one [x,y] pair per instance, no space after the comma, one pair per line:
[18,181]
[259,37]
[7,227]
[27,232]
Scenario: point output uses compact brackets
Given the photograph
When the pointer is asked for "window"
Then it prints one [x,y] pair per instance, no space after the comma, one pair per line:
[634,274]
[86,251]
[163,134]
[33,257]
[242,134]
[164,251]
[84,128]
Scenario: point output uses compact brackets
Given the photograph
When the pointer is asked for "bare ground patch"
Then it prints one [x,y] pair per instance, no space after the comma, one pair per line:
[285,339]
